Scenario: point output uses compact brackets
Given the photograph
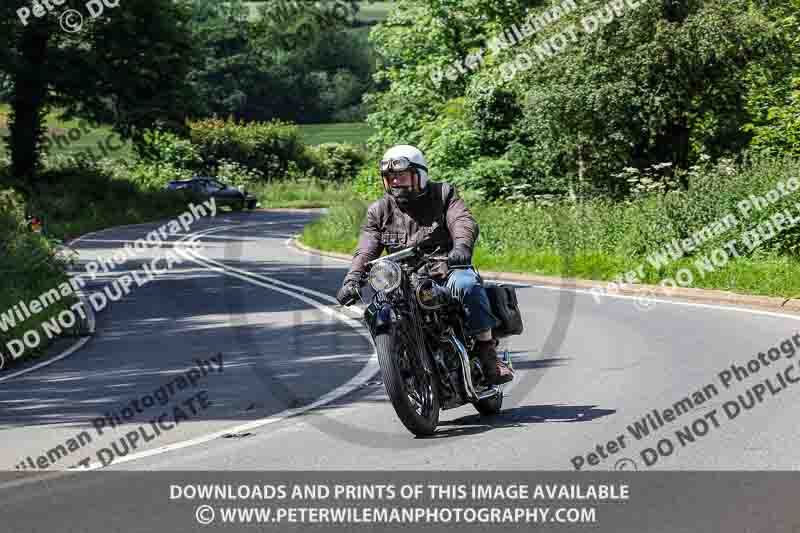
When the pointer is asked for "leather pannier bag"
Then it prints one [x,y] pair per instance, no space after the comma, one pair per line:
[505,307]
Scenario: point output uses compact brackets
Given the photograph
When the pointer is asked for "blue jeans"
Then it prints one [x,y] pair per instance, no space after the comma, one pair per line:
[466,286]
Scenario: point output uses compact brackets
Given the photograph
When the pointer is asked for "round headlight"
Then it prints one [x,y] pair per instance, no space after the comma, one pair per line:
[385,276]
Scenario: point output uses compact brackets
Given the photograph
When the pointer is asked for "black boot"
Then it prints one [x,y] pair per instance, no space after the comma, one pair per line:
[496,371]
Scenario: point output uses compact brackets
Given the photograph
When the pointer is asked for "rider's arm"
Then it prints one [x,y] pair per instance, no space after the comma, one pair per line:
[460,223]
[369,245]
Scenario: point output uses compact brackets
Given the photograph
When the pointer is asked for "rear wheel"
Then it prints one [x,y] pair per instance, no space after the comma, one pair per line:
[412,391]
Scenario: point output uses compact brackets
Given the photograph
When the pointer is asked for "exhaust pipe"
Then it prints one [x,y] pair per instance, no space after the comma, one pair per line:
[467,374]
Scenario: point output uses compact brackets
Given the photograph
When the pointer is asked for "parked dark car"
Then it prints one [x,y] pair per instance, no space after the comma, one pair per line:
[214,188]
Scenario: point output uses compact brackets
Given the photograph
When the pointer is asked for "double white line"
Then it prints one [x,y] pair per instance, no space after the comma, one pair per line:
[294,291]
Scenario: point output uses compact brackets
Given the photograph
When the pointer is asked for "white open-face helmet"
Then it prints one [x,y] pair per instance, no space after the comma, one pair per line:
[405,157]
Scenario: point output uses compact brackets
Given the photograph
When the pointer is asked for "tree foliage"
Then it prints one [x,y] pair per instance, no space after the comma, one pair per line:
[663,83]
[294,61]
[128,67]
[774,101]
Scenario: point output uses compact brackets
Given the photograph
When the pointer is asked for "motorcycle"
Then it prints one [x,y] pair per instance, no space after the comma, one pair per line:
[423,351]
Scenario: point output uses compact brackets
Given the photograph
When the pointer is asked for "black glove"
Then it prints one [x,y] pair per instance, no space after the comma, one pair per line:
[348,294]
[460,255]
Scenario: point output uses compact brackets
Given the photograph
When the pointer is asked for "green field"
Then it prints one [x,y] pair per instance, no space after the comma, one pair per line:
[372,12]
[343,132]
[511,252]
[301,194]
[313,134]
[90,138]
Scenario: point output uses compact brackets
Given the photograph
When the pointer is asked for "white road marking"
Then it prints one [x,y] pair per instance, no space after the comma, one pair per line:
[63,355]
[673,302]
[90,311]
[620,296]
[364,375]
[369,369]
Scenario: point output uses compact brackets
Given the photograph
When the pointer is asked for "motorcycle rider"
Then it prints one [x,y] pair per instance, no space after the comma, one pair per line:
[411,210]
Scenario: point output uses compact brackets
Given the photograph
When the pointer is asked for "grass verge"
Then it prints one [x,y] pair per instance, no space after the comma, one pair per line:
[507,247]
[300,194]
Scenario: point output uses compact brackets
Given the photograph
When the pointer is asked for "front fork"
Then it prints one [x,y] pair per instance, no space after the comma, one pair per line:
[382,317]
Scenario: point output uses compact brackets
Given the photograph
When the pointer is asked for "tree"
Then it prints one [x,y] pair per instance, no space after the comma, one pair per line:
[774,100]
[128,66]
[295,61]
[587,93]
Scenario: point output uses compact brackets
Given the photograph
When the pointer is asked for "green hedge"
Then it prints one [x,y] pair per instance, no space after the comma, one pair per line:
[250,152]
[337,162]
[269,147]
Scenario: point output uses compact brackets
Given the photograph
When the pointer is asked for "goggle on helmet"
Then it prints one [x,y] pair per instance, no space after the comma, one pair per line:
[399,164]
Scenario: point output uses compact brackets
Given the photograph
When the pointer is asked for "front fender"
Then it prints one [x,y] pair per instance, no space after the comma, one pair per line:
[380,317]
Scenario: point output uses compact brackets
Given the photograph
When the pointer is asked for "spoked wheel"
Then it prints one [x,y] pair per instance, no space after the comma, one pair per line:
[412,391]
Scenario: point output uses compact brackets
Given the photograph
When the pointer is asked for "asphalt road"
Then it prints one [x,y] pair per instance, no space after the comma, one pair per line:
[299,389]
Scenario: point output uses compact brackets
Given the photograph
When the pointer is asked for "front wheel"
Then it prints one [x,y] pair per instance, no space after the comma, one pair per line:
[413,393]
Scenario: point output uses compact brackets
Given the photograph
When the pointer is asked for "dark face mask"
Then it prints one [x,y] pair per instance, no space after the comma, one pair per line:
[402,196]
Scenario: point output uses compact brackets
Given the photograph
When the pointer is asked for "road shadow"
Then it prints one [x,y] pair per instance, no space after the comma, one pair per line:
[532,364]
[518,417]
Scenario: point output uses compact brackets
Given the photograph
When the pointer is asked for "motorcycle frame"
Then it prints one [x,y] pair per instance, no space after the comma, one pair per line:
[381,316]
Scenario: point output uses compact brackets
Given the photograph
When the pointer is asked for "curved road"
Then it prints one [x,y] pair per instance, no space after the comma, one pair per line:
[299,386]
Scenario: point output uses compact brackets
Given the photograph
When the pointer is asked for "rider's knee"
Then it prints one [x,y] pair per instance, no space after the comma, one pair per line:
[463,280]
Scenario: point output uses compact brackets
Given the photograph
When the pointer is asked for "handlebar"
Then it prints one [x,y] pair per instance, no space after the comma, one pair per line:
[397,256]
[407,253]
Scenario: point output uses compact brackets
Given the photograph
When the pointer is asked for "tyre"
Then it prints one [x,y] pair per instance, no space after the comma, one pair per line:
[490,406]
[414,395]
